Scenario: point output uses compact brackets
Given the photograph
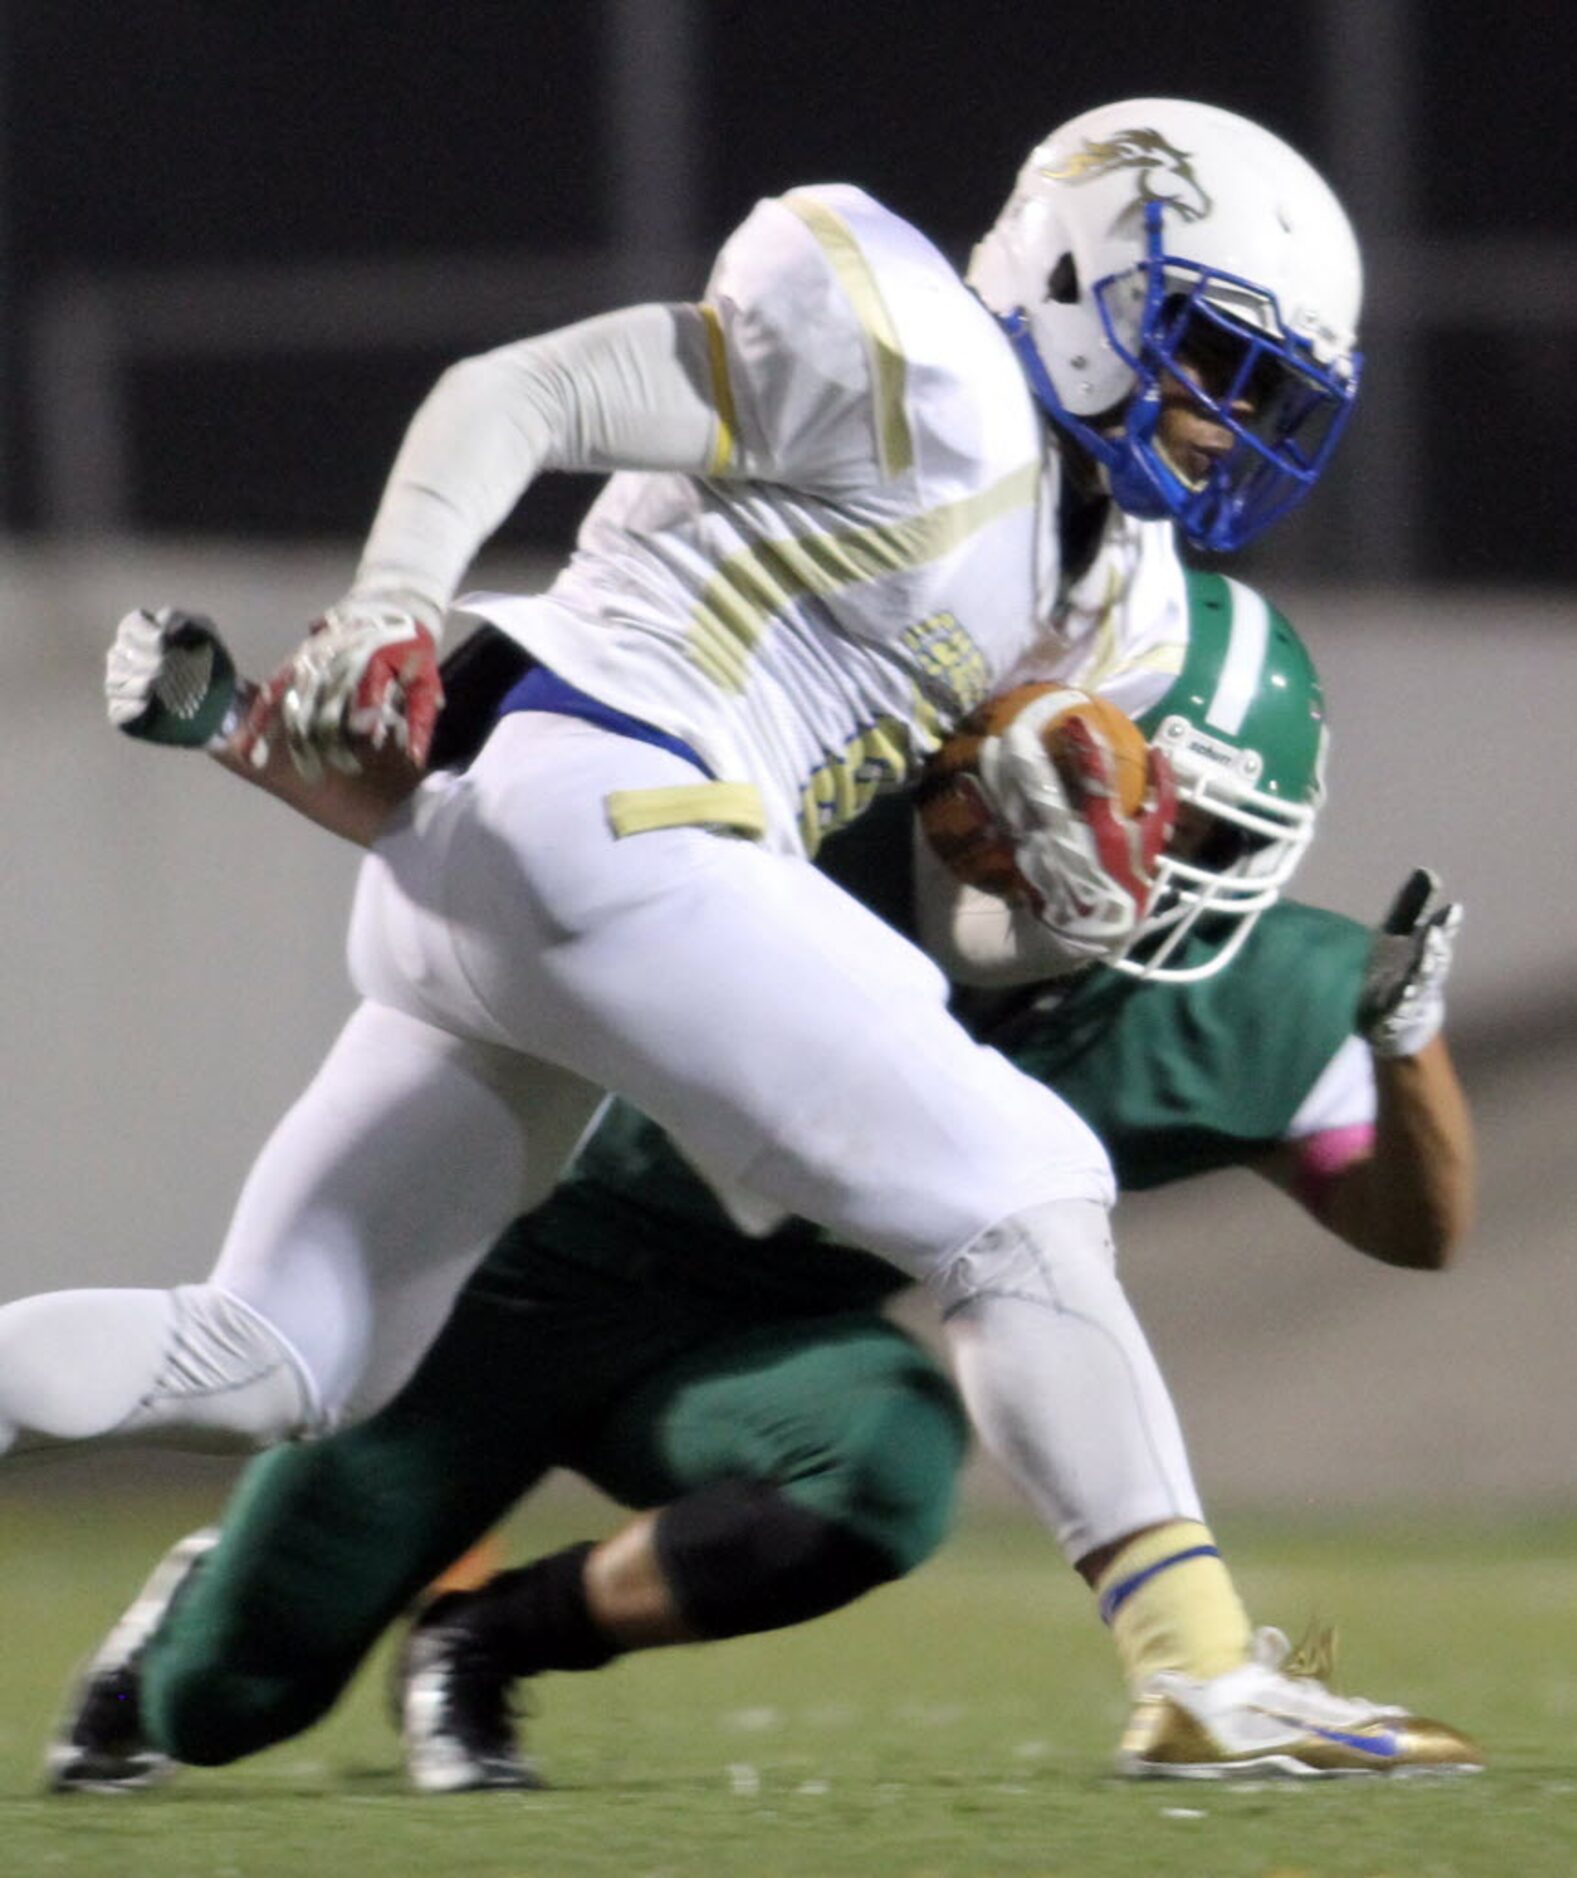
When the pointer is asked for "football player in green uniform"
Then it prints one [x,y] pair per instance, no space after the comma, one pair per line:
[789,1447]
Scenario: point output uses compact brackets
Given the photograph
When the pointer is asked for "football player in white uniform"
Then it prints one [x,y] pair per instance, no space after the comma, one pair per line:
[853,498]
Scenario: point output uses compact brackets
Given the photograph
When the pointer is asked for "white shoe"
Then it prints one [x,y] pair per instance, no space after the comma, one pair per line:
[98,1745]
[1273,1717]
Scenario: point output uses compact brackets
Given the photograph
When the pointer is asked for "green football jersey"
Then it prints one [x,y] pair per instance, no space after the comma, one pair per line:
[1176,1079]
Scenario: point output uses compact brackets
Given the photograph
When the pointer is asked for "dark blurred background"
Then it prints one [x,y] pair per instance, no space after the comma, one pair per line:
[239,237]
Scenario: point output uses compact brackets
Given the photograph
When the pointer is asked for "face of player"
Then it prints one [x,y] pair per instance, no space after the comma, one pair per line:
[1189,439]
[1208,841]
[1210,360]
[1186,434]
[1221,364]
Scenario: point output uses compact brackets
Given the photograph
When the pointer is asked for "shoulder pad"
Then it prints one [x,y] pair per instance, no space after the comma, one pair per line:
[829,298]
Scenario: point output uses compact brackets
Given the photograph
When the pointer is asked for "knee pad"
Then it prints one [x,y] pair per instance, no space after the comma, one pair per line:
[193,1367]
[740,1556]
[230,1374]
[1045,1255]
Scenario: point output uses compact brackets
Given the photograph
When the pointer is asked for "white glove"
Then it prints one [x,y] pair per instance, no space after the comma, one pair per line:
[1089,867]
[367,671]
[1402,1004]
[168,679]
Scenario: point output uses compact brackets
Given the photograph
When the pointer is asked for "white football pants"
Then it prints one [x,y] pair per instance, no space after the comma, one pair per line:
[516,957]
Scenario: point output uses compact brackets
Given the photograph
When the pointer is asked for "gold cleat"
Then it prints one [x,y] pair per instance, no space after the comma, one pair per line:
[1273,1718]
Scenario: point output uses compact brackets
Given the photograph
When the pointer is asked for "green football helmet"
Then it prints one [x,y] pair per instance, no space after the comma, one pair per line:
[1243,725]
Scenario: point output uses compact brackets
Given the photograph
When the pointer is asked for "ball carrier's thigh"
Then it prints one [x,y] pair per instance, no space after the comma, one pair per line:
[382,1188]
[789,1040]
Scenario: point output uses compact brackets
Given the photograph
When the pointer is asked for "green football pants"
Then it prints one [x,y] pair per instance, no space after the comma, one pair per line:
[646,1396]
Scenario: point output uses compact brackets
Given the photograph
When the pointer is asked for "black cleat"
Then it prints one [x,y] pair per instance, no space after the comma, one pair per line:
[98,1746]
[455,1707]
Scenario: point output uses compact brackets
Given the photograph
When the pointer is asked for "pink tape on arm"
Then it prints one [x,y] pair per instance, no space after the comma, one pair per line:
[1322,1157]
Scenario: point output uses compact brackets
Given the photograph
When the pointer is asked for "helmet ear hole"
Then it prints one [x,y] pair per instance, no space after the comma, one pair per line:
[1062,283]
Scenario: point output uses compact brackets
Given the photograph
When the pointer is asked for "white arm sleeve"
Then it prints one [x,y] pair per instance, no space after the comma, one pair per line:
[627,390]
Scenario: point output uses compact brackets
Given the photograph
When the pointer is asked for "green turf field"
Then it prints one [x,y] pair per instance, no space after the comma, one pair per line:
[957,1724]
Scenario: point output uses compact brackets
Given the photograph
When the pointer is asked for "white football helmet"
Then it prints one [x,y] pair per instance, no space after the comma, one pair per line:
[1162,237]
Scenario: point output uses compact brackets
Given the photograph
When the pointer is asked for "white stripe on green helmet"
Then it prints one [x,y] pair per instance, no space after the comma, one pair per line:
[1244,664]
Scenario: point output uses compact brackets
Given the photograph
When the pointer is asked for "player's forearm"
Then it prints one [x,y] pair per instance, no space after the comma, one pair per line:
[977,938]
[355,807]
[1411,1201]
[627,390]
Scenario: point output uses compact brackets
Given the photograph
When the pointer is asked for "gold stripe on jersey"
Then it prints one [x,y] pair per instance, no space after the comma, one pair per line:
[736,807]
[755,584]
[1166,658]
[726,444]
[894,442]
[844,786]
[1105,643]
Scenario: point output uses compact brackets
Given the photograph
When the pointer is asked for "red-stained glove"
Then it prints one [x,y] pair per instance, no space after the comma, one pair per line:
[365,674]
[1089,868]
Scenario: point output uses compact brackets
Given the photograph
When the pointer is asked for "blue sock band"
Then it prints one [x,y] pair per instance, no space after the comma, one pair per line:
[1112,1601]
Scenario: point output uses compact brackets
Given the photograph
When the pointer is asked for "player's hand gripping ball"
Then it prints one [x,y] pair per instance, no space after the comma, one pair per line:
[961,823]
[1051,799]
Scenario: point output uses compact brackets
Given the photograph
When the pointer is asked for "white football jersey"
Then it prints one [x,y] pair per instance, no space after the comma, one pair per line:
[1120,628]
[875,547]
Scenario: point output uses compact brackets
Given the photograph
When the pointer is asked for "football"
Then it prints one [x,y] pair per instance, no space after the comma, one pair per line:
[958,822]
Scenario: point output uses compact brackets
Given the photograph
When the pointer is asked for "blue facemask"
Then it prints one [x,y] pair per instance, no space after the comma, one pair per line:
[1283,409]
